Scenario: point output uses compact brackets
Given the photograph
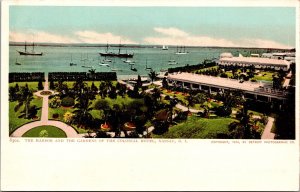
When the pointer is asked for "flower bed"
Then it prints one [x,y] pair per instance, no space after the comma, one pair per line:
[129,126]
[46,93]
[105,127]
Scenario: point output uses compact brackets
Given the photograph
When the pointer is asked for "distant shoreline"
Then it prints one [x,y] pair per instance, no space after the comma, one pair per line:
[136,46]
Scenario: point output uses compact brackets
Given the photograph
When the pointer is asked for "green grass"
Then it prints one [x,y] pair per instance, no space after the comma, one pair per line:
[51,130]
[31,85]
[15,121]
[200,128]
[179,96]
[264,75]
[207,68]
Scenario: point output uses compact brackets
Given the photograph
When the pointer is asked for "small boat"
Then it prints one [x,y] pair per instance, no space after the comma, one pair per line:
[172,62]
[17,63]
[148,68]
[104,64]
[107,60]
[165,47]
[115,69]
[71,63]
[133,68]
[128,61]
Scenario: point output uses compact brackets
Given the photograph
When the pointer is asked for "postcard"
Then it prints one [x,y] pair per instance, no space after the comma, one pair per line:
[159,95]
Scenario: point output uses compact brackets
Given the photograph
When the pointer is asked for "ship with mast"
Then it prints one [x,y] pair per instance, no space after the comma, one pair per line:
[118,54]
[181,51]
[32,53]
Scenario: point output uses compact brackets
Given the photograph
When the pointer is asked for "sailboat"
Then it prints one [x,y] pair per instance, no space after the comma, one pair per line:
[165,47]
[71,63]
[118,54]
[133,68]
[17,63]
[148,68]
[32,53]
[87,66]
[128,61]
[115,69]
[180,52]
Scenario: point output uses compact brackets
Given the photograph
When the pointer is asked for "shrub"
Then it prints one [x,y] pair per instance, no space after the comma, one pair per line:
[68,116]
[55,116]
[43,133]
[223,111]
[56,102]
[67,101]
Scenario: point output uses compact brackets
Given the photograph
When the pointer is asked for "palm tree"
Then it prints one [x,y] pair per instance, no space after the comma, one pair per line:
[104,106]
[152,75]
[79,86]
[82,112]
[191,100]
[173,103]
[102,89]
[24,97]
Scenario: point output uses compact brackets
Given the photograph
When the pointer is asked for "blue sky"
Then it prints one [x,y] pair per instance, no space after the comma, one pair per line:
[203,26]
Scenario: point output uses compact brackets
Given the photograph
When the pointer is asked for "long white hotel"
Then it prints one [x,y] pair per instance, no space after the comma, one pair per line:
[226,59]
[253,90]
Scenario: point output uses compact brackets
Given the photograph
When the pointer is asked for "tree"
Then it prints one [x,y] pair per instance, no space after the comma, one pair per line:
[40,85]
[102,90]
[173,103]
[165,83]
[152,75]
[139,81]
[112,93]
[12,94]
[51,86]
[92,73]
[104,106]
[191,100]
[17,87]
[94,88]
[24,97]
[82,112]
[79,86]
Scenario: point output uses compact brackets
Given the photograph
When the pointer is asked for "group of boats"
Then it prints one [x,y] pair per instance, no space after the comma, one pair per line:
[108,56]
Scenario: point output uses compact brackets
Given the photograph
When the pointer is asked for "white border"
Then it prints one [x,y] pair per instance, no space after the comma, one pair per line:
[196,165]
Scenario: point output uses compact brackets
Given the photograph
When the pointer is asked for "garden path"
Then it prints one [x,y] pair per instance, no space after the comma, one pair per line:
[267,134]
[70,132]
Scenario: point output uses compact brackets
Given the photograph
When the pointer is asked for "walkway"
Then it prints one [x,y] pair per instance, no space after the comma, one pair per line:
[267,134]
[70,131]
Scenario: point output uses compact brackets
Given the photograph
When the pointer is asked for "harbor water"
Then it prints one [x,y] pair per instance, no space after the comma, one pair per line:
[57,59]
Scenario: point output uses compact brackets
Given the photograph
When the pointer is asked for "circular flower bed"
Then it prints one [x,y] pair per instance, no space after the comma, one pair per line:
[67,101]
[46,93]
[129,126]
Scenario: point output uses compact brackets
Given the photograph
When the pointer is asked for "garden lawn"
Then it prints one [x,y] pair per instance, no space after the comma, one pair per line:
[51,132]
[15,121]
[200,128]
[207,68]
[264,75]
[31,85]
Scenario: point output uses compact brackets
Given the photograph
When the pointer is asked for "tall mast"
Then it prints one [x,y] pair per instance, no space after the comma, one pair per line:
[107,47]
[120,47]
